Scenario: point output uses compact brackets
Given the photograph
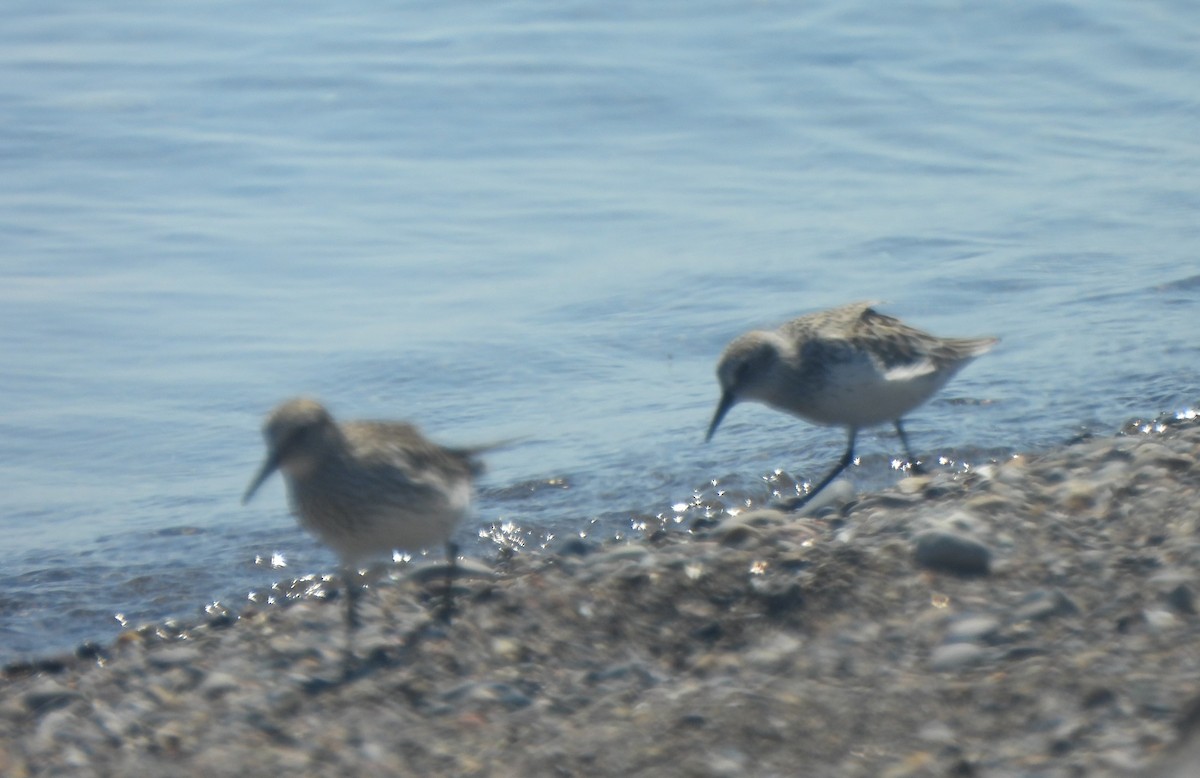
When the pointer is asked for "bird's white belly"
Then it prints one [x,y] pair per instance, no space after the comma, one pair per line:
[856,394]
[369,531]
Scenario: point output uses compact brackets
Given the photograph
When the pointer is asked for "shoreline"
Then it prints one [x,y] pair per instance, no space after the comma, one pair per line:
[1036,617]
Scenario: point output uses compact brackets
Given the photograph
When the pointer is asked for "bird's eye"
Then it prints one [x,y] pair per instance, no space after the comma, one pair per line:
[294,438]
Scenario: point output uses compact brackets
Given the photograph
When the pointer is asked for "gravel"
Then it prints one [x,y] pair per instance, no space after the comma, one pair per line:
[1031,617]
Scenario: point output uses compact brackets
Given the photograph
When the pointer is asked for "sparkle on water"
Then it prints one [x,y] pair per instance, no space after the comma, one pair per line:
[274,561]
[507,536]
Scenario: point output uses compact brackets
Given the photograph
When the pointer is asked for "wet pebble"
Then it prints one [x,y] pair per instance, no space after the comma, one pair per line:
[736,533]
[174,656]
[1045,604]
[573,545]
[217,684]
[1160,620]
[972,628]
[1182,599]
[488,692]
[837,493]
[48,695]
[951,552]
[952,656]
[463,570]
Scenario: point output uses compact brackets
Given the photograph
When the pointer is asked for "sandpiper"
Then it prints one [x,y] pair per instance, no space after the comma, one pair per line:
[367,488]
[849,367]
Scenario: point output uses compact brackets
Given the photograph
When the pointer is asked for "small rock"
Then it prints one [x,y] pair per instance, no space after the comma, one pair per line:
[1044,604]
[913,484]
[180,656]
[1077,496]
[1181,599]
[916,763]
[483,692]
[218,684]
[218,616]
[91,650]
[952,656]
[574,546]
[507,648]
[1159,620]
[628,552]
[1013,471]
[290,646]
[737,534]
[1099,697]
[464,569]
[47,696]
[53,729]
[936,732]
[708,633]
[972,629]
[1158,454]
[988,503]
[1020,653]
[949,552]
[778,593]
[775,653]
[837,493]
[622,672]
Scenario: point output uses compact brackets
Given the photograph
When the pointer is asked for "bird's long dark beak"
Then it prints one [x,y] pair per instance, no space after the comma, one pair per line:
[727,402]
[269,465]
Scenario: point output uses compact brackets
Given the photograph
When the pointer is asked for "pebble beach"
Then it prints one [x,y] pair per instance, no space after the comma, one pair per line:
[1035,616]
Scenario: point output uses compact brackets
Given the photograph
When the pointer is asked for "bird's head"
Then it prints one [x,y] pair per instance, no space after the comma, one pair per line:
[742,370]
[297,433]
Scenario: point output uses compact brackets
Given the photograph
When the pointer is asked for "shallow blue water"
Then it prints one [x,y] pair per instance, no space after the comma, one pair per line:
[545,220]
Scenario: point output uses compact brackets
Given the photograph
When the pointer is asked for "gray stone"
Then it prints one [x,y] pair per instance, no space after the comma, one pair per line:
[1182,599]
[950,552]
[952,656]
[217,684]
[1044,604]
[837,493]
[174,656]
[488,692]
[972,629]
[47,696]
[464,569]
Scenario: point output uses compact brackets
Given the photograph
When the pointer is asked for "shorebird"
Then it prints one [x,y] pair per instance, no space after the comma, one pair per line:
[367,488]
[848,367]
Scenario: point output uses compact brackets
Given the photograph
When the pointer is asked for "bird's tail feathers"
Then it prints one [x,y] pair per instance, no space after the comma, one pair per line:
[472,454]
[970,347]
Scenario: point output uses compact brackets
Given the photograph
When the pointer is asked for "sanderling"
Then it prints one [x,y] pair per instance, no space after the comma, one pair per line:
[367,488]
[849,367]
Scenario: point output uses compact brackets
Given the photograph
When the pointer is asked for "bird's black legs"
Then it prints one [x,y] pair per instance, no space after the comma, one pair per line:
[912,458]
[800,501]
[353,590]
[447,609]
[352,583]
